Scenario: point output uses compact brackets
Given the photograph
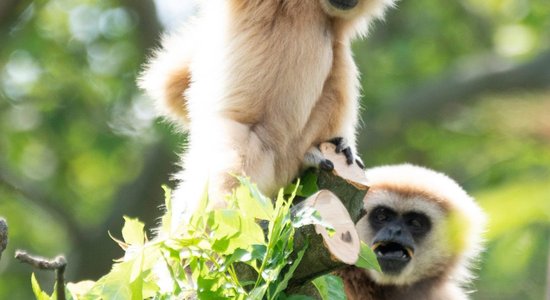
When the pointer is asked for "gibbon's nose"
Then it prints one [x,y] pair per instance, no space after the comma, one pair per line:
[344,4]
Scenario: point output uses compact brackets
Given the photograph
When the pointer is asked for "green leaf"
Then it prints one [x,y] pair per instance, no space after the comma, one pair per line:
[367,258]
[209,288]
[330,287]
[305,186]
[79,289]
[38,293]
[225,223]
[198,220]
[258,293]
[132,232]
[299,297]
[252,202]
[288,275]
[115,285]
[166,222]
[309,183]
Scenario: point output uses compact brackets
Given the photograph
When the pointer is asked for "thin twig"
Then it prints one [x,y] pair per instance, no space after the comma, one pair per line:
[3,235]
[58,264]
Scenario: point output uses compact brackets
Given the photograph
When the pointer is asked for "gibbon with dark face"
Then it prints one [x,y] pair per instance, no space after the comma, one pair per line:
[425,231]
[258,85]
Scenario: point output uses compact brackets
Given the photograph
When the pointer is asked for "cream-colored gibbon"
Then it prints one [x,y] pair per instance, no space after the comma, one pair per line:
[258,85]
[425,231]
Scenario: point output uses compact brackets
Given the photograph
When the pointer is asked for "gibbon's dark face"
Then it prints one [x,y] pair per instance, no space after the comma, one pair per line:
[396,236]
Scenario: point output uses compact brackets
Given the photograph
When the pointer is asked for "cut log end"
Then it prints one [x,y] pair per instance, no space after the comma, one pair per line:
[343,242]
[353,174]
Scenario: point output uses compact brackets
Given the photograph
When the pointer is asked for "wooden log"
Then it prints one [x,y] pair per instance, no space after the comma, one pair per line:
[327,250]
[340,204]
[348,182]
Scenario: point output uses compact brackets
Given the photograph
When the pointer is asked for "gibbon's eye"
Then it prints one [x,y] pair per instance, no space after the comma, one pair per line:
[381,215]
[418,223]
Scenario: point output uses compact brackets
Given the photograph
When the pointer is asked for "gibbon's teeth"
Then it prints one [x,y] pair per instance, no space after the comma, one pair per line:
[392,249]
[410,252]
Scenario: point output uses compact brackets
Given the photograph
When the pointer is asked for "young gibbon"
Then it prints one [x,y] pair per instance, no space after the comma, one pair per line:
[258,85]
[425,231]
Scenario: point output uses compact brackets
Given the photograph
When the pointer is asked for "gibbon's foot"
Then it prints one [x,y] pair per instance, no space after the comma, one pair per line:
[342,147]
[314,158]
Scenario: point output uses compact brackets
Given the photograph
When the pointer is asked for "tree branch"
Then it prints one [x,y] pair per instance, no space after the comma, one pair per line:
[149,27]
[14,184]
[58,264]
[10,13]
[433,100]
[3,236]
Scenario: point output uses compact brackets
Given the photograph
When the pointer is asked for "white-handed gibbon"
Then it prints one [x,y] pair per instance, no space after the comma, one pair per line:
[258,85]
[425,231]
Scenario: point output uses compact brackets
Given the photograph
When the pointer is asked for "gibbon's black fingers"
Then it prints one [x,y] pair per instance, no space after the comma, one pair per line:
[360,163]
[326,165]
[349,155]
[342,147]
[339,143]
[344,4]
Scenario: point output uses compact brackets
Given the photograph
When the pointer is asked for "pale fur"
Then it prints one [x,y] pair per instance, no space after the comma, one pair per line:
[443,259]
[258,84]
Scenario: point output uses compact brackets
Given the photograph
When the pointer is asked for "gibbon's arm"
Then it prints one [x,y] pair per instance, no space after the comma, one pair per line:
[167,76]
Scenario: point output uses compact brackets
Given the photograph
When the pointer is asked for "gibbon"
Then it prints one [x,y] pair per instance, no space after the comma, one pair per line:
[258,85]
[425,231]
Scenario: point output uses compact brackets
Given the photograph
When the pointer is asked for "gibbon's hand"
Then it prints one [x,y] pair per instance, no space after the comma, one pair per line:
[342,147]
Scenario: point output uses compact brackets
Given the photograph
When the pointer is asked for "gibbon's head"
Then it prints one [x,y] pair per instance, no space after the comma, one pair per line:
[421,224]
[353,9]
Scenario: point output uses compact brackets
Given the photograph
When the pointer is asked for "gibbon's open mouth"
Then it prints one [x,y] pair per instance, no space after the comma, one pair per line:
[392,257]
[393,250]
[344,4]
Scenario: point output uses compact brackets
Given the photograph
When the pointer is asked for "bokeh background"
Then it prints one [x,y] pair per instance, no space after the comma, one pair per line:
[459,86]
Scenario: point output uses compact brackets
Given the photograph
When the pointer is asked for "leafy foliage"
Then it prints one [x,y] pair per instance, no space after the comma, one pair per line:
[203,257]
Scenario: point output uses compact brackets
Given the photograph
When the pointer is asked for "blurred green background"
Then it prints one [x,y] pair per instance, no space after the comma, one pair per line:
[459,86]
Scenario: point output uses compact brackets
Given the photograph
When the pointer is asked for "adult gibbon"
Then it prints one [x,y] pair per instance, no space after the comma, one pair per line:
[258,85]
[425,231]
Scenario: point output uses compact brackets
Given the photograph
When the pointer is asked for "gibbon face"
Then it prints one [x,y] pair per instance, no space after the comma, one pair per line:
[406,233]
[349,9]
[420,224]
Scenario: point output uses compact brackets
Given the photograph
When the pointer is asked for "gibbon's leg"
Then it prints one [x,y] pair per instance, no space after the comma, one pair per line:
[234,149]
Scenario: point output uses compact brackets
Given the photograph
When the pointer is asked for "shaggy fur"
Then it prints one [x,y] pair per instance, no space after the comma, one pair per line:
[258,84]
[440,266]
